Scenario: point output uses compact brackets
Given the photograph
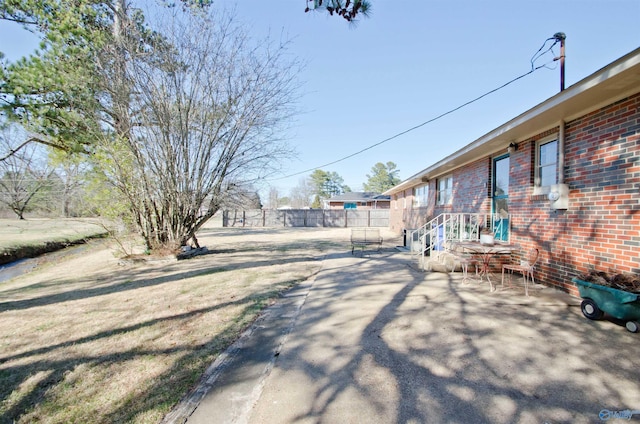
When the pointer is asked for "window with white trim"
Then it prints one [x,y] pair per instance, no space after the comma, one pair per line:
[420,196]
[445,190]
[546,164]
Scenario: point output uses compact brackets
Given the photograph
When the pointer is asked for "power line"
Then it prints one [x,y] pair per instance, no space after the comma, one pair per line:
[534,68]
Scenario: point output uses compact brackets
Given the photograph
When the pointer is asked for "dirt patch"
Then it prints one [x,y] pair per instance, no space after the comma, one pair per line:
[625,282]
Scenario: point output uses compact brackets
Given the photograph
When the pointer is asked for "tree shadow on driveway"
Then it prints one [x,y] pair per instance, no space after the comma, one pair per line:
[379,342]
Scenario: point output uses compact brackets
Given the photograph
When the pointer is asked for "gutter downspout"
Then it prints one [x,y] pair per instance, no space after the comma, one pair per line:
[560,36]
[561,143]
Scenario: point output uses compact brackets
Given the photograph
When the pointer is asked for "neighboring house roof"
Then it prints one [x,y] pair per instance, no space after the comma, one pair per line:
[614,82]
[359,196]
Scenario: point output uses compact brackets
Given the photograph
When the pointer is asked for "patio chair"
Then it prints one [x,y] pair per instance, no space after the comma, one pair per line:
[526,268]
[464,261]
[453,257]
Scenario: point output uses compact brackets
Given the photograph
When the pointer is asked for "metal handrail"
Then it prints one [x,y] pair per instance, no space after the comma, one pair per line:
[457,227]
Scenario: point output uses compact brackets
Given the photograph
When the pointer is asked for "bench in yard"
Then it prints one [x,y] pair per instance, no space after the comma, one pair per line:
[365,237]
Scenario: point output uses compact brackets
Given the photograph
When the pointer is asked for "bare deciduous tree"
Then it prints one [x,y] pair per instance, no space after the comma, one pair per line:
[301,195]
[210,110]
[23,170]
[71,173]
[274,198]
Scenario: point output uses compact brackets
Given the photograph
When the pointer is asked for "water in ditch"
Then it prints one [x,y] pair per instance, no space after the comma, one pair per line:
[24,266]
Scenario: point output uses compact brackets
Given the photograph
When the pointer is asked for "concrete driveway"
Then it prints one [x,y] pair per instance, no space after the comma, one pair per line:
[372,340]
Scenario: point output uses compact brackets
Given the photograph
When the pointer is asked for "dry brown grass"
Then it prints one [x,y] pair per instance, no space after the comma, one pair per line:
[30,232]
[31,237]
[90,339]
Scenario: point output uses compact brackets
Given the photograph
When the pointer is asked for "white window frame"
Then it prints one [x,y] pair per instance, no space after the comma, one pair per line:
[421,196]
[538,188]
[445,190]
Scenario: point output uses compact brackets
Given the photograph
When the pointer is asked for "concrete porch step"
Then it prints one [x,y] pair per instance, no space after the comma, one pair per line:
[443,262]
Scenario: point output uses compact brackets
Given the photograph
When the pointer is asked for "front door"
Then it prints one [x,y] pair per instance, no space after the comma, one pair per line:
[500,185]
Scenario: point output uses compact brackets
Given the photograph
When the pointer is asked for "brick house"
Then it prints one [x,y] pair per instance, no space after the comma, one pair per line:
[566,173]
[359,200]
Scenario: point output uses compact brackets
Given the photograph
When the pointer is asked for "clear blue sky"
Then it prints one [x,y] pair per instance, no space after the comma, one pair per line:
[413,60]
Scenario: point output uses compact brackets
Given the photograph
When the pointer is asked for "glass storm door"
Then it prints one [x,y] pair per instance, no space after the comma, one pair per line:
[500,187]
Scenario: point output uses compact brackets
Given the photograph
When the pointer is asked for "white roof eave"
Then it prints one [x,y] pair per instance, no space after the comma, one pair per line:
[616,81]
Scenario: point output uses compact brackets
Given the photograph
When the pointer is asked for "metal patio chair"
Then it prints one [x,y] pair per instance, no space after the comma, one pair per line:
[526,268]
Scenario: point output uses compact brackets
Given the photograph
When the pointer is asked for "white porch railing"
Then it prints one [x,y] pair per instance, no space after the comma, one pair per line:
[431,237]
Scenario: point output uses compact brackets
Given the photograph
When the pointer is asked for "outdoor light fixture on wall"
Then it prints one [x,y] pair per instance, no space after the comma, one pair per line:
[512,147]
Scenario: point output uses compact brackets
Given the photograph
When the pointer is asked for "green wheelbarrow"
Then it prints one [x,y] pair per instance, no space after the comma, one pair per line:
[598,300]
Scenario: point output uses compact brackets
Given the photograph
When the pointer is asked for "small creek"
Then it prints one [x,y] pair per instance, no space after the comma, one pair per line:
[26,265]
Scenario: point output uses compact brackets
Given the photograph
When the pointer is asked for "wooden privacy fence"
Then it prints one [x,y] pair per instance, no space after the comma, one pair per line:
[306,218]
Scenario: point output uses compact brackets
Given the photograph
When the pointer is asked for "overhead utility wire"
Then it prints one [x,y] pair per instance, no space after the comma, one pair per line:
[533,69]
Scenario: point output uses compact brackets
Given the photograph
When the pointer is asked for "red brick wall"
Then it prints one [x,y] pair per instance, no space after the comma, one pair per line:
[601,228]
[402,216]
[470,189]
[470,194]
[532,220]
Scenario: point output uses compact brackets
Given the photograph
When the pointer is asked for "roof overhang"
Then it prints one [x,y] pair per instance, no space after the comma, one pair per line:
[614,82]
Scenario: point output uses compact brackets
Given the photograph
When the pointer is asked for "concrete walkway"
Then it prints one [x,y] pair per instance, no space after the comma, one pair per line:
[372,340]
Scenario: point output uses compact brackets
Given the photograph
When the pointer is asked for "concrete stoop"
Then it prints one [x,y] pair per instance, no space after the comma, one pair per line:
[440,263]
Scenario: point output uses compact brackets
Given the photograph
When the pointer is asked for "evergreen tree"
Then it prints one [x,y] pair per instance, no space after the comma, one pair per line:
[347,9]
[382,177]
[327,184]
